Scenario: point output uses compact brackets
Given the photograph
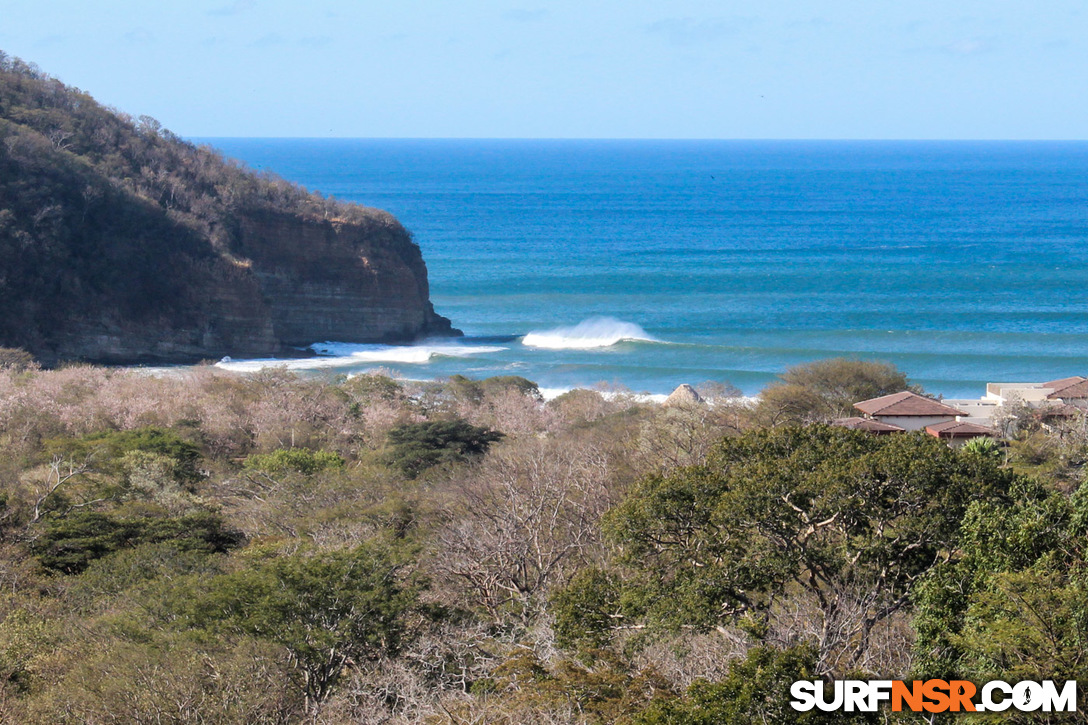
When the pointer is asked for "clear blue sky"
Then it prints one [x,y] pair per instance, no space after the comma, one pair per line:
[634,68]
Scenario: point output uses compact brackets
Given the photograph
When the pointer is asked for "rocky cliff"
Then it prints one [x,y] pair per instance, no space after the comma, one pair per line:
[120,242]
[336,280]
[297,281]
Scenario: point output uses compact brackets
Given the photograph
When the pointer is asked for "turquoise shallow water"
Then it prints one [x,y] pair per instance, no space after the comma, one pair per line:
[961,262]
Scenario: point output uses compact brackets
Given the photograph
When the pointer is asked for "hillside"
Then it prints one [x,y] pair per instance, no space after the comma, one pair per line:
[120,242]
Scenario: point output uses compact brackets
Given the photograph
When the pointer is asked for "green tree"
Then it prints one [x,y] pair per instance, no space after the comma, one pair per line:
[15,359]
[827,389]
[327,609]
[1014,605]
[302,460]
[756,692]
[415,447]
[69,544]
[107,450]
[583,609]
[851,519]
[370,388]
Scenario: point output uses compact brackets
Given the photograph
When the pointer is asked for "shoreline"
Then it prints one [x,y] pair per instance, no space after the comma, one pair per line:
[548,392]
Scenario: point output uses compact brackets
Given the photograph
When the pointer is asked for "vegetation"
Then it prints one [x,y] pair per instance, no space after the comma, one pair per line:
[749,695]
[1015,605]
[301,460]
[826,389]
[211,548]
[843,519]
[415,447]
[15,358]
[326,610]
[68,544]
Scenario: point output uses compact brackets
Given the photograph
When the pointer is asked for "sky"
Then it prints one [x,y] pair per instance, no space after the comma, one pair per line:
[851,69]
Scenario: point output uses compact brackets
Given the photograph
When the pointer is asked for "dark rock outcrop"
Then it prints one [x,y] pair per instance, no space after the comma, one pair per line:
[331,280]
[302,281]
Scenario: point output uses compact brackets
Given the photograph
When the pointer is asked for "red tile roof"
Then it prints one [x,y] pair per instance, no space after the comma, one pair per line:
[1064,382]
[867,424]
[958,429]
[1068,389]
[906,403]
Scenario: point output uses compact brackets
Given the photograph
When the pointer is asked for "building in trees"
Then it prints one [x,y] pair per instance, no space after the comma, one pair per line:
[1006,406]
[958,432]
[1066,391]
[908,411]
[1071,391]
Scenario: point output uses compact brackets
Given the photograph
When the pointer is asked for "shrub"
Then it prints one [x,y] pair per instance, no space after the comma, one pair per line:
[503,383]
[415,447]
[15,359]
[108,450]
[369,388]
[755,691]
[68,545]
[302,460]
[826,389]
[983,446]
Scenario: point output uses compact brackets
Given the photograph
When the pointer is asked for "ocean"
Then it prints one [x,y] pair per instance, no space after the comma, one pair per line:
[646,264]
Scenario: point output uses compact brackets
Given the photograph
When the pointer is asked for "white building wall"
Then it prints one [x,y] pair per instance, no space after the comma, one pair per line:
[975,410]
[1027,392]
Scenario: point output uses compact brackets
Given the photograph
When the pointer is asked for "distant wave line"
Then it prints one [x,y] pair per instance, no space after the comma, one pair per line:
[342,354]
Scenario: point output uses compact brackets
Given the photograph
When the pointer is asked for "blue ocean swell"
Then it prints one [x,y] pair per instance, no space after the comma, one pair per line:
[961,262]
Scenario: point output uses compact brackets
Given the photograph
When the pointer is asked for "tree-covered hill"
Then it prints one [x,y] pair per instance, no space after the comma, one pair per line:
[120,241]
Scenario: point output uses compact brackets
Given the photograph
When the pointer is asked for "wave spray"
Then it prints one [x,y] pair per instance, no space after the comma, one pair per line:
[591,333]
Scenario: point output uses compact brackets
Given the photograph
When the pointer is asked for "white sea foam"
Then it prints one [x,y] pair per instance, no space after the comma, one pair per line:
[591,333]
[342,354]
[553,393]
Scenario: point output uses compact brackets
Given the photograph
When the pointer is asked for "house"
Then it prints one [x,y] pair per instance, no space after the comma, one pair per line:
[1069,391]
[1027,393]
[908,411]
[1056,404]
[1060,418]
[1051,402]
[979,411]
[957,432]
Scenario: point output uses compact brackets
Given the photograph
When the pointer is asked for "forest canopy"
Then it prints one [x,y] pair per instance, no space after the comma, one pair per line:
[208,547]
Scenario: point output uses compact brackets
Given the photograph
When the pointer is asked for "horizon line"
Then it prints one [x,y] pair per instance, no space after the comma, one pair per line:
[646,138]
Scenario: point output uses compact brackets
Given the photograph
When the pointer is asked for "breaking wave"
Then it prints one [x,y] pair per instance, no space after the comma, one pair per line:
[344,354]
[591,333]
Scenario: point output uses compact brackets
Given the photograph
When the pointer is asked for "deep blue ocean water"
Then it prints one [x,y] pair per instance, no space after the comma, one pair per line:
[960,262]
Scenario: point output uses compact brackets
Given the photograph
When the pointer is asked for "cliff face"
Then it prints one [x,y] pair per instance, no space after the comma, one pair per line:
[288,282]
[120,242]
[335,280]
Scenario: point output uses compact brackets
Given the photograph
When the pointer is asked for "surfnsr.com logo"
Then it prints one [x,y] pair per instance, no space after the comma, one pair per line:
[933,696]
